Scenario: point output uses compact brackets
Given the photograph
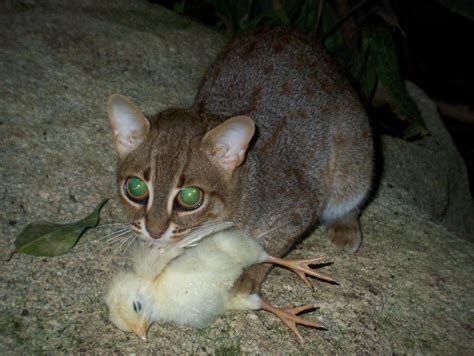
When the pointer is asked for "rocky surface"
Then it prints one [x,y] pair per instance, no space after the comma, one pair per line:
[408,290]
[430,173]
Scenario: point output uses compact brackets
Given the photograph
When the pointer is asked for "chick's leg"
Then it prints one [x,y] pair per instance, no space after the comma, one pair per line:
[301,268]
[289,315]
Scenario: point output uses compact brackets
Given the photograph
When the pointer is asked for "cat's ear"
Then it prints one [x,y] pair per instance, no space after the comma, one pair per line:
[227,143]
[129,126]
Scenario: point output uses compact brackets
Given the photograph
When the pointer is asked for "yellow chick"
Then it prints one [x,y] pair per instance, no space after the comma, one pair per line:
[194,286]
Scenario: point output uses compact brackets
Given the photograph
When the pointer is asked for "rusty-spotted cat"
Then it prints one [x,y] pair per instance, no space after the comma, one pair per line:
[276,142]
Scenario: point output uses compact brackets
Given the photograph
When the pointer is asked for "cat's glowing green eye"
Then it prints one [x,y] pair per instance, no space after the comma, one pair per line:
[136,188]
[189,198]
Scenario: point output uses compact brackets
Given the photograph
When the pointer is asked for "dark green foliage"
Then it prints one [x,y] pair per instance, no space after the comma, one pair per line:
[382,63]
[239,16]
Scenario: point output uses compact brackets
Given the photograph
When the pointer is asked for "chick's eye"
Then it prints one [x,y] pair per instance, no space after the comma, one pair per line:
[137,306]
[136,189]
[189,198]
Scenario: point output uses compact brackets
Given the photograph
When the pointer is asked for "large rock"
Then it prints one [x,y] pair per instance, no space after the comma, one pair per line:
[429,173]
[408,290]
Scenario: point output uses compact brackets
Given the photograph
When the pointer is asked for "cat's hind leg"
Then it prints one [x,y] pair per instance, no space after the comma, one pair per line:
[342,222]
[345,232]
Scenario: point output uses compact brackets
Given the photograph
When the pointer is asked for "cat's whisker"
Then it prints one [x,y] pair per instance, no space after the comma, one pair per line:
[119,238]
[268,232]
[115,223]
[207,225]
[115,237]
[132,240]
[120,228]
[192,236]
[113,243]
[112,226]
[104,226]
[124,242]
[115,232]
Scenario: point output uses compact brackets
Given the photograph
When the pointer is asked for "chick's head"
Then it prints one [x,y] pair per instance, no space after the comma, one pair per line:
[129,304]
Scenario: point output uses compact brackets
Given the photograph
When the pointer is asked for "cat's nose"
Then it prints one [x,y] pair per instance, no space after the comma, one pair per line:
[156,234]
[156,227]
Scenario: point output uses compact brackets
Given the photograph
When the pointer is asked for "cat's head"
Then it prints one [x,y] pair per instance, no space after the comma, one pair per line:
[176,170]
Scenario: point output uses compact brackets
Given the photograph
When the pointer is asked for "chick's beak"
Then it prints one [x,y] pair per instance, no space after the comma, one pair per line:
[141,331]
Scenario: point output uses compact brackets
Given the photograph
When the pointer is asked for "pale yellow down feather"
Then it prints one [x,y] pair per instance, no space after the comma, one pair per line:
[186,286]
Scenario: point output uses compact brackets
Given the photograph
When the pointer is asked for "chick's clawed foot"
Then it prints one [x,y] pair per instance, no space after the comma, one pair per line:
[289,315]
[302,269]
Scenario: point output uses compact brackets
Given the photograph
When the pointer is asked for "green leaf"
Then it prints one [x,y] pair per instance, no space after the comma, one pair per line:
[307,16]
[48,239]
[367,76]
[383,57]
[335,41]
[179,6]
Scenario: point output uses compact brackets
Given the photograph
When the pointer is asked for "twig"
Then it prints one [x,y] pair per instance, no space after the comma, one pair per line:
[456,112]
